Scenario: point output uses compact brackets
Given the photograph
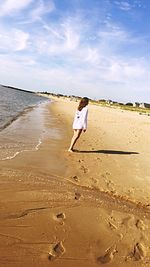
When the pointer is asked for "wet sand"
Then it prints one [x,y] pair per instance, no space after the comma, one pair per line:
[87,208]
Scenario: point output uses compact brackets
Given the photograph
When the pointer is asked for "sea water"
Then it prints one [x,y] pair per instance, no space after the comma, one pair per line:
[21,121]
[13,102]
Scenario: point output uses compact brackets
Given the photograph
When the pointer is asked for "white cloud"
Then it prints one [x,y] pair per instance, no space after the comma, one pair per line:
[92,55]
[71,37]
[116,34]
[13,40]
[124,5]
[59,39]
[8,7]
[40,9]
[123,70]
[20,40]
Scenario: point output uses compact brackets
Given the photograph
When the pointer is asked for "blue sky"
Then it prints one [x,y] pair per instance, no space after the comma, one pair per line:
[96,48]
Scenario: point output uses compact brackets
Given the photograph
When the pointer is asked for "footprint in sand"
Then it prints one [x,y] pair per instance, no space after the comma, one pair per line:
[77,195]
[56,251]
[60,217]
[112,225]
[85,170]
[99,159]
[110,184]
[127,220]
[139,252]
[81,160]
[140,225]
[75,178]
[95,181]
[108,173]
[108,256]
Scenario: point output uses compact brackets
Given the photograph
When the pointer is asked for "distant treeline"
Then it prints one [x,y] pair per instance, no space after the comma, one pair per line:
[14,88]
[103,101]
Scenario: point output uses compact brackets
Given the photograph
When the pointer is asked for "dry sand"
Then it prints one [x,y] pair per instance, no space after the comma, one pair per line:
[87,208]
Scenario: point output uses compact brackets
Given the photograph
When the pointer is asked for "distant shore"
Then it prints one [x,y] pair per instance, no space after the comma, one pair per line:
[141,108]
[19,89]
[82,209]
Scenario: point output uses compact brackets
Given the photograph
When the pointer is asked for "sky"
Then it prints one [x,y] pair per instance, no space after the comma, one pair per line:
[94,48]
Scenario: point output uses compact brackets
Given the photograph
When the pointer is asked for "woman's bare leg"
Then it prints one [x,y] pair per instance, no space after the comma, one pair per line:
[74,139]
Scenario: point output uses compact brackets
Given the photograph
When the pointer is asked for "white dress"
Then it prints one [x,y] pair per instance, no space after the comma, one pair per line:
[80,119]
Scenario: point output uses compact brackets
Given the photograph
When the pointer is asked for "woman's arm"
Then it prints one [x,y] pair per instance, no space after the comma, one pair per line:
[85,115]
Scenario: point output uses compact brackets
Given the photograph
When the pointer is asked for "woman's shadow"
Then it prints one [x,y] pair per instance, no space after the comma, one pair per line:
[104,151]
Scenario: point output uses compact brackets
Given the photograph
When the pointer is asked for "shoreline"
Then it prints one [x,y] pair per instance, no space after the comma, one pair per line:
[75,209]
[12,108]
[25,132]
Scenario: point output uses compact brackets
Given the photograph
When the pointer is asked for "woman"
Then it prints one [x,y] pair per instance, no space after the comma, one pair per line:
[80,121]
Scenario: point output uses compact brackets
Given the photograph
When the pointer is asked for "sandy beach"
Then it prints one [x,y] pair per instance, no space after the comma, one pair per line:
[87,208]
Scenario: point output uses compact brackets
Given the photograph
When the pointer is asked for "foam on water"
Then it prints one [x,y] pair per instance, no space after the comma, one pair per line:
[18,152]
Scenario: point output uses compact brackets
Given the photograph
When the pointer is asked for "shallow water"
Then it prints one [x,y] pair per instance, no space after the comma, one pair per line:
[13,102]
[23,134]
[22,122]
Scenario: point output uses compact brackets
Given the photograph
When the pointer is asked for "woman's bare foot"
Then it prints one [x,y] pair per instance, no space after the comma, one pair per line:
[70,150]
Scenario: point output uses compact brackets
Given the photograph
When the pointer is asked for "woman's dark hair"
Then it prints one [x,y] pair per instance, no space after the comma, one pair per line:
[83,103]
